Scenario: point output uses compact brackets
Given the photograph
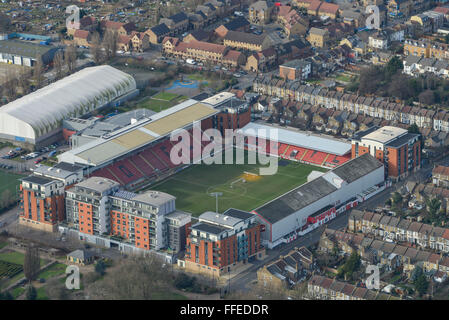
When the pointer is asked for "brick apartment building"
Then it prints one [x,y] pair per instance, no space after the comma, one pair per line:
[148,220]
[396,148]
[203,51]
[42,202]
[42,195]
[234,113]
[98,209]
[88,205]
[220,243]
[295,70]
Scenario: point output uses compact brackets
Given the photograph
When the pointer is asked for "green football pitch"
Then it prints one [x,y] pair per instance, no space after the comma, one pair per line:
[240,185]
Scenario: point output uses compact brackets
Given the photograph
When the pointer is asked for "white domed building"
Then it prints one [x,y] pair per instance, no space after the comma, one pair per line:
[36,118]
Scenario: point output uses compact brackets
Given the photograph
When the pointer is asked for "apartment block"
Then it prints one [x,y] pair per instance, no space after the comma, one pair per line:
[88,205]
[41,202]
[42,195]
[142,220]
[203,51]
[396,148]
[220,243]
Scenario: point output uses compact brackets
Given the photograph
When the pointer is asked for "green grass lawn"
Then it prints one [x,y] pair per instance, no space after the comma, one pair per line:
[41,294]
[192,186]
[344,78]
[159,105]
[9,181]
[17,257]
[3,244]
[53,271]
[17,292]
[165,96]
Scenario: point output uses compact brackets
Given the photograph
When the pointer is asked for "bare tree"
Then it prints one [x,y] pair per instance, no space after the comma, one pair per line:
[70,58]
[135,278]
[95,48]
[23,81]
[32,263]
[38,73]
[10,85]
[58,63]
[110,44]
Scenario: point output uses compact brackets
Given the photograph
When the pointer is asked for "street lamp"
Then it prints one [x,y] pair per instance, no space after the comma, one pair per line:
[216,195]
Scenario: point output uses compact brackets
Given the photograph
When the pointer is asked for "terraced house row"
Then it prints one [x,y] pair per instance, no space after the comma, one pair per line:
[324,288]
[377,107]
[386,255]
[388,227]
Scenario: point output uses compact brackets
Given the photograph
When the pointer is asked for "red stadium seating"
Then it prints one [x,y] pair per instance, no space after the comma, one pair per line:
[151,158]
[142,165]
[315,157]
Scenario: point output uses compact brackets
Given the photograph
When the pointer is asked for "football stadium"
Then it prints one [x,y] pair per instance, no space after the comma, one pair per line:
[316,178]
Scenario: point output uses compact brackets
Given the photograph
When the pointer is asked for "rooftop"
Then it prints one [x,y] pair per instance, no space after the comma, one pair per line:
[98,184]
[316,189]
[385,134]
[300,139]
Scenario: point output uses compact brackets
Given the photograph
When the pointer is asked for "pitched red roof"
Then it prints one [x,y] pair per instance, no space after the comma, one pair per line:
[314,5]
[206,46]
[327,7]
[232,55]
[443,10]
[441,170]
[123,39]
[82,34]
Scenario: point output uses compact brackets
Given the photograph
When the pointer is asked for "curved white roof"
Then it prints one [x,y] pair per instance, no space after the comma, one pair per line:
[42,111]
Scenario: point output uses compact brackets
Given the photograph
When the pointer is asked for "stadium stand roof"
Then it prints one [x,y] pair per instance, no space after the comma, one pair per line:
[41,112]
[316,189]
[138,134]
[299,139]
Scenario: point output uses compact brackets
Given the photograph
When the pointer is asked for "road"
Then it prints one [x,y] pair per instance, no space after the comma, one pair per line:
[9,218]
[240,281]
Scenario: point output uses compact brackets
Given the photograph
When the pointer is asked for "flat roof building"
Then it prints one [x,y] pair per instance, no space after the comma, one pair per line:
[396,148]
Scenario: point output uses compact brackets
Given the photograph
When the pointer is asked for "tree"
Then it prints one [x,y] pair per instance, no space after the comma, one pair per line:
[32,263]
[31,293]
[135,278]
[433,207]
[393,66]
[110,44]
[350,266]
[10,85]
[95,48]
[100,268]
[58,63]
[38,73]
[421,284]
[396,198]
[427,97]
[6,199]
[70,58]
[413,129]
